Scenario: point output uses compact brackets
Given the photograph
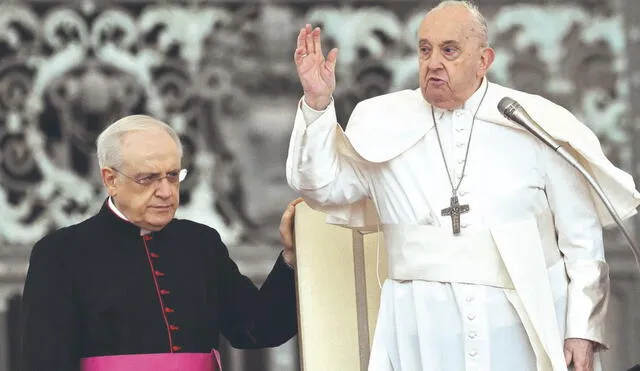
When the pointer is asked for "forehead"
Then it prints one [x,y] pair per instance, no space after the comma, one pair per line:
[454,23]
[150,150]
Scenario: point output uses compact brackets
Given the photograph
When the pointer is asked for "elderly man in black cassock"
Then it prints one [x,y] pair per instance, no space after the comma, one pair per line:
[133,288]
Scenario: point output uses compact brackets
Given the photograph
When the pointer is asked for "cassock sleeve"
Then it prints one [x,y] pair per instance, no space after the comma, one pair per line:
[48,313]
[251,317]
[315,167]
[580,241]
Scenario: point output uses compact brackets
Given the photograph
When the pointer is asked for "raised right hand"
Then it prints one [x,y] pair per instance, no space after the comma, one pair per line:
[317,74]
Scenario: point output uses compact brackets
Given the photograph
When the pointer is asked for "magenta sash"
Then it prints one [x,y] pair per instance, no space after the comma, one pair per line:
[154,362]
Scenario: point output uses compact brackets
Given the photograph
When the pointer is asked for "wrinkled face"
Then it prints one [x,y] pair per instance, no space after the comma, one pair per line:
[452,55]
[146,187]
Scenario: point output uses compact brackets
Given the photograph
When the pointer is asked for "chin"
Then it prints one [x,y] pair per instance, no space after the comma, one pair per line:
[440,101]
[433,100]
[159,220]
[157,224]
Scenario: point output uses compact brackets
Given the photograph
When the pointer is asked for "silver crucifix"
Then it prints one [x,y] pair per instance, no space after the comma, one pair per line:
[454,211]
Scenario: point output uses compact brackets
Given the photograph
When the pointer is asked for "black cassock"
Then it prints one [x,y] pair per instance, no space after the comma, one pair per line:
[100,288]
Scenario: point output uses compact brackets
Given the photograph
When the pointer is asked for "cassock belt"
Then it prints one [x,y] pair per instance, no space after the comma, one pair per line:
[422,252]
[514,255]
[429,253]
[154,362]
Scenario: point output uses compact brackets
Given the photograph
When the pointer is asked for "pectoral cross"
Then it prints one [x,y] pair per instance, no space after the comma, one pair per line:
[454,211]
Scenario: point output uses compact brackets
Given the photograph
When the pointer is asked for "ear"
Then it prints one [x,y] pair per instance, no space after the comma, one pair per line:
[109,178]
[486,60]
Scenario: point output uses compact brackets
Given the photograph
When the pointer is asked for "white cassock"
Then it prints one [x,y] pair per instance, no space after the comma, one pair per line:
[508,304]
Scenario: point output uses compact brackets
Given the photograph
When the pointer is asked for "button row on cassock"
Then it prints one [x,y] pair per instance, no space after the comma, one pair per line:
[163,292]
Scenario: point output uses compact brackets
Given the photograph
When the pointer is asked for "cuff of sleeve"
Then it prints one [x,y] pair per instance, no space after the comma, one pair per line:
[280,273]
[310,114]
[593,332]
[588,299]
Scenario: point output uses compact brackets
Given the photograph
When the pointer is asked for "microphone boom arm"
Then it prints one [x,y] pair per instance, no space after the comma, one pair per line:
[596,187]
[513,111]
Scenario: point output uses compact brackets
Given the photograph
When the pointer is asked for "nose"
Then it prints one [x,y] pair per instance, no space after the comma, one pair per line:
[164,189]
[435,61]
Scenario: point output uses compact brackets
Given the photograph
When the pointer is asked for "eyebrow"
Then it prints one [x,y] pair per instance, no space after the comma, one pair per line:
[450,42]
[149,173]
[446,42]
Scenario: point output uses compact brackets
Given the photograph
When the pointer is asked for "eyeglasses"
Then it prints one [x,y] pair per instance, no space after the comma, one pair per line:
[173,177]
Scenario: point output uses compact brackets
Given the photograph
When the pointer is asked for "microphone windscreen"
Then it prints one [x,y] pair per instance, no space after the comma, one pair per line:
[504,103]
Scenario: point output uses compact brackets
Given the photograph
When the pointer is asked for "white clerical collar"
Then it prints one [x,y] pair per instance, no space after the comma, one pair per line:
[471,104]
[474,101]
[115,210]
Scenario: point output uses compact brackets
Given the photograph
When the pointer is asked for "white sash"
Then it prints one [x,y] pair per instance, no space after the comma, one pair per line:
[514,256]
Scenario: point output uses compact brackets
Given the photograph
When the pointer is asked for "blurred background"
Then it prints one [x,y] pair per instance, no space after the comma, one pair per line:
[221,73]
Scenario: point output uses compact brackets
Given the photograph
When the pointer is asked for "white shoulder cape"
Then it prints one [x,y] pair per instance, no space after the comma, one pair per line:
[383,127]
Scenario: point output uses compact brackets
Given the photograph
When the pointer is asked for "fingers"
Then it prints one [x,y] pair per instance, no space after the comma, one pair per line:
[579,353]
[300,44]
[568,356]
[582,363]
[286,230]
[287,218]
[580,359]
[287,225]
[315,35]
[296,201]
[286,222]
[332,57]
[582,366]
[309,40]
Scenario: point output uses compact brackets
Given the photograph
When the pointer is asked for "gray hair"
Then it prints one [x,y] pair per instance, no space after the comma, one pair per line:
[109,141]
[475,12]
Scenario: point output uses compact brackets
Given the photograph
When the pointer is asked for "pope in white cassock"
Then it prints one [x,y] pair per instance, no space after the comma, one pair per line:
[495,249]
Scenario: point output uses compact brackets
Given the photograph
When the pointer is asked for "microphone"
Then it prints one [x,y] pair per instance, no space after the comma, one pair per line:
[513,111]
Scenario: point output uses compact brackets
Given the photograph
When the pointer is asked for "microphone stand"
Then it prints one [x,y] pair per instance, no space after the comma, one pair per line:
[596,187]
[514,112]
